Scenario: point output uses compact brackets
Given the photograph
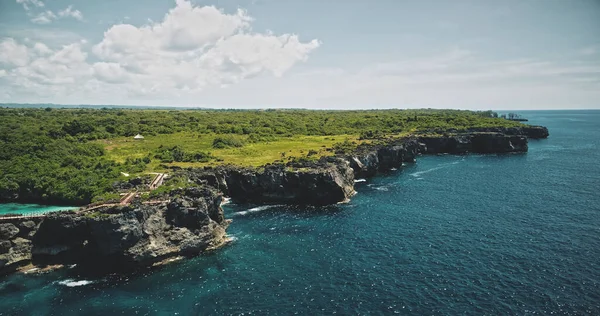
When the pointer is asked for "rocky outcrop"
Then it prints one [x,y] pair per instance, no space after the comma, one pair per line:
[323,182]
[488,143]
[369,159]
[530,131]
[480,142]
[535,132]
[15,241]
[119,237]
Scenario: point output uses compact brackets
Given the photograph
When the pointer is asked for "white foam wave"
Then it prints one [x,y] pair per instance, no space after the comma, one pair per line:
[73,283]
[255,210]
[360,180]
[419,173]
[382,188]
[225,201]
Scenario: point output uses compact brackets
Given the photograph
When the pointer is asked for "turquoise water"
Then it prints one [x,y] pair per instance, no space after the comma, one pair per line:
[30,209]
[510,234]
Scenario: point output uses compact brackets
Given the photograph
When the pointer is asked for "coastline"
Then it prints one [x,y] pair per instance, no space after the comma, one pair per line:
[52,239]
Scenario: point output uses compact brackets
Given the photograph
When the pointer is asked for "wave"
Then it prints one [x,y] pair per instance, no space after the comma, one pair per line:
[379,188]
[360,180]
[225,200]
[73,283]
[442,166]
[255,209]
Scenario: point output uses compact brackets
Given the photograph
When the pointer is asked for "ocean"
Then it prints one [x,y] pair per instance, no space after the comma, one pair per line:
[475,234]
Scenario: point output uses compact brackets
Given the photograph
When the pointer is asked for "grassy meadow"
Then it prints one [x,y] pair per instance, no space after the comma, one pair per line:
[251,154]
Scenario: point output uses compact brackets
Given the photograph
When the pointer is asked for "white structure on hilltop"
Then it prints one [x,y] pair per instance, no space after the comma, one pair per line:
[138,137]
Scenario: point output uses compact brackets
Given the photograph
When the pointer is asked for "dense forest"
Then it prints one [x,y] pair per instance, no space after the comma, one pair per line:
[54,155]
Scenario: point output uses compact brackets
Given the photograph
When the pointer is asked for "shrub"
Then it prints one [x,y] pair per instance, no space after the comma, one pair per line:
[227,141]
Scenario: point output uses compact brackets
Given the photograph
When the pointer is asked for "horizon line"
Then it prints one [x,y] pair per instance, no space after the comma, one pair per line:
[201,107]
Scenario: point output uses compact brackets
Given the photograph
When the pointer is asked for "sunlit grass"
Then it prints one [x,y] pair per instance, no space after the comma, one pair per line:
[251,154]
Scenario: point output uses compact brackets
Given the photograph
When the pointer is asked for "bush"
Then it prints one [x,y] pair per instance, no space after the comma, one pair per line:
[177,154]
[227,141]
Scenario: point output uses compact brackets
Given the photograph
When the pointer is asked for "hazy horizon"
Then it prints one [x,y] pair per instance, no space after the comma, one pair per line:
[474,55]
[324,108]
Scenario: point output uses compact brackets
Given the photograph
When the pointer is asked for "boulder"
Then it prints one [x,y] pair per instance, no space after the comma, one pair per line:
[8,231]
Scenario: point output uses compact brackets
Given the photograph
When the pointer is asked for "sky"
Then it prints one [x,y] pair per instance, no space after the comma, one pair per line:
[324,54]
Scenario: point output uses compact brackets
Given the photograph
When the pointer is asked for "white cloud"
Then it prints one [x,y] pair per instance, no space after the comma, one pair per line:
[13,54]
[110,72]
[41,49]
[190,49]
[44,17]
[184,28]
[69,12]
[50,36]
[27,4]
[193,47]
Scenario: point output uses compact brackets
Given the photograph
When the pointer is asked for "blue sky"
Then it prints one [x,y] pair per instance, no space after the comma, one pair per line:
[542,54]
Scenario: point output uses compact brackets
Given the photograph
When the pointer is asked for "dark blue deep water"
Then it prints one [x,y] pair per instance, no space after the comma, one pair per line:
[508,234]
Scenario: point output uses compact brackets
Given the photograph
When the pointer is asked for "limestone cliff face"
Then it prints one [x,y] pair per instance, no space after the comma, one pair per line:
[331,180]
[481,142]
[322,183]
[367,160]
[15,241]
[530,131]
[121,236]
[535,132]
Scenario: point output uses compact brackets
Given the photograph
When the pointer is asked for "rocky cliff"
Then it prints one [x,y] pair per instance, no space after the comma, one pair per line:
[529,131]
[479,142]
[323,182]
[369,159]
[118,237]
[331,180]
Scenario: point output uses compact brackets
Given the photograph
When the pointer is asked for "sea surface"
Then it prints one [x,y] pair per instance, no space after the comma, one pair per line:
[31,209]
[449,235]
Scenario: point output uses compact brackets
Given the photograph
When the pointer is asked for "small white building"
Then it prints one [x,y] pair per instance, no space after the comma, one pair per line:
[138,137]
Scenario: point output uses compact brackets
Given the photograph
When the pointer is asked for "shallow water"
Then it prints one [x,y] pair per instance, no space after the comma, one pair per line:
[496,234]
[30,209]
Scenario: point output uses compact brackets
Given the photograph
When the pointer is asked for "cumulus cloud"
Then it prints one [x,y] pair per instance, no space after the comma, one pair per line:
[190,49]
[193,47]
[110,72]
[13,54]
[41,49]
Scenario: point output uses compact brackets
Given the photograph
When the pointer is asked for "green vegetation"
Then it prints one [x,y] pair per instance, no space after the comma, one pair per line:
[227,141]
[178,154]
[71,156]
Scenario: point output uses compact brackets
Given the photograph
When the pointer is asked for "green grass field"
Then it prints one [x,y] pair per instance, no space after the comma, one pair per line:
[251,154]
